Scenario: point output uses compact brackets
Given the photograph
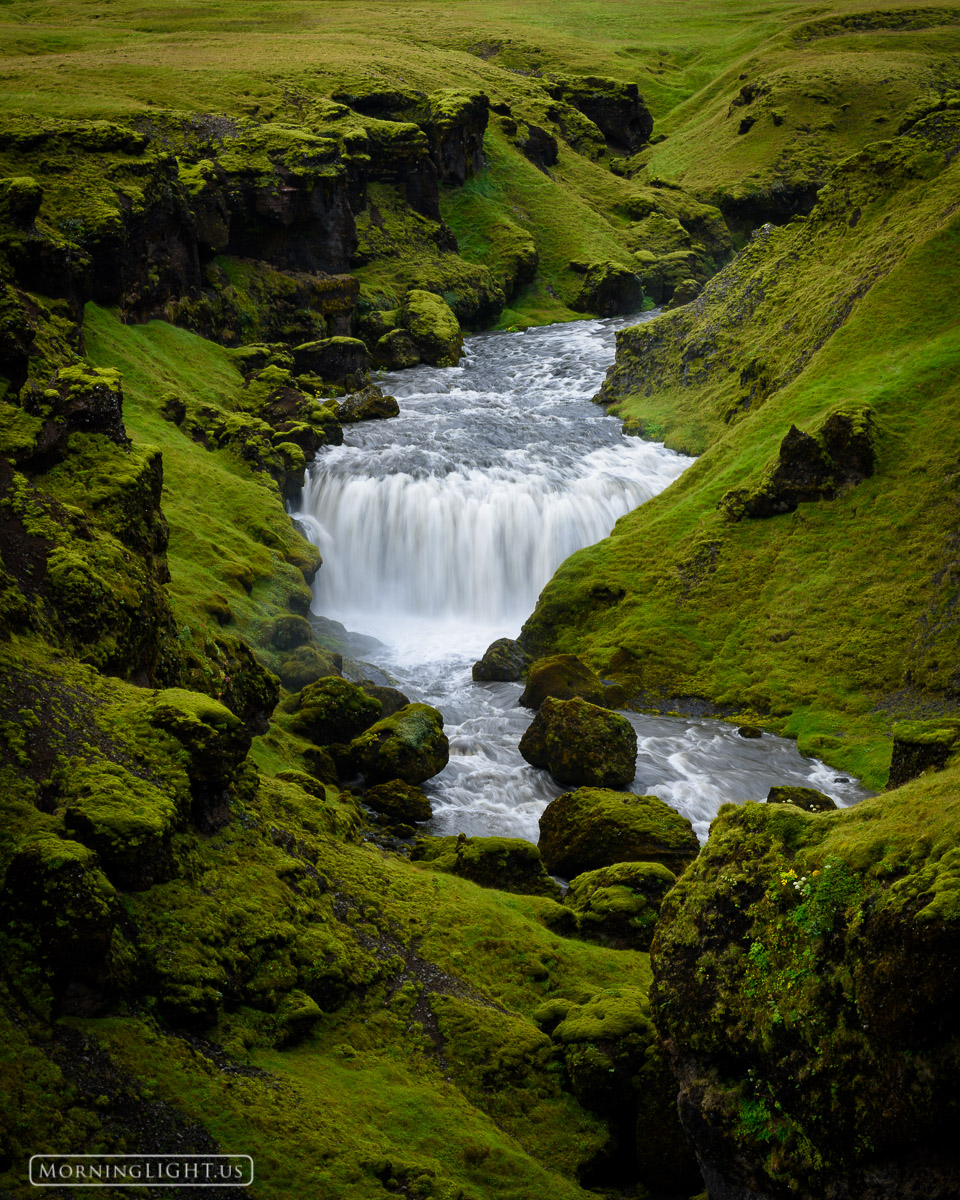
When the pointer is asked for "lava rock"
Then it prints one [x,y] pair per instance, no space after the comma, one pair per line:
[595,827]
[502,661]
[581,744]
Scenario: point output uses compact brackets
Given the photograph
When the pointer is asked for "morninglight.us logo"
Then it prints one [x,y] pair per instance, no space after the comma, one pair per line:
[141,1170]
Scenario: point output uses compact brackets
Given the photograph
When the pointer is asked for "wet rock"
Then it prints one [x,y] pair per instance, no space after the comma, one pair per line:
[809,799]
[367,405]
[581,744]
[399,801]
[433,327]
[333,710]
[562,676]
[618,906]
[617,109]
[749,731]
[607,288]
[503,660]
[391,698]
[595,827]
[810,467]
[919,746]
[409,745]
[509,864]
[332,358]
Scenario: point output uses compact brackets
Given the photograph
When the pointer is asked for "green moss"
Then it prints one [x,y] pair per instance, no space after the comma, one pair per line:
[408,745]
[510,864]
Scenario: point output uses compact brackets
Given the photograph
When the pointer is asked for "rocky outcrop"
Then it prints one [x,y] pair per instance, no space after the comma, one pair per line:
[607,288]
[920,746]
[433,328]
[595,827]
[369,404]
[398,802]
[810,467]
[617,109]
[509,864]
[581,744]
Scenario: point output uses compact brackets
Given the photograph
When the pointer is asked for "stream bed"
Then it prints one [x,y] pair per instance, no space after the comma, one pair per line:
[439,528]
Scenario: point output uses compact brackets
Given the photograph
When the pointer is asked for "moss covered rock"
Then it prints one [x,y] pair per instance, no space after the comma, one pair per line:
[399,802]
[594,827]
[333,710]
[562,676]
[510,864]
[287,633]
[503,660]
[434,328]
[333,358]
[619,905]
[306,665]
[391,698]
[396,349]
[410,745]
[809,799]
[607,288]
[919,746]
[368,404]
[581,744]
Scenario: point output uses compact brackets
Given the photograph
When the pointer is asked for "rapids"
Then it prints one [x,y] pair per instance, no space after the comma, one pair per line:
[438,528]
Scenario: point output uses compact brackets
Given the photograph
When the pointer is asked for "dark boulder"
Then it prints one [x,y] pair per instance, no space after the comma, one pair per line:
[594,827]
[749,731]
[581,744]
[334,710]
[395,350]
[332,358]
[607,288]
[399,802]
[368,404]
[503,661]
[409,745]
[619,905]
[391,698]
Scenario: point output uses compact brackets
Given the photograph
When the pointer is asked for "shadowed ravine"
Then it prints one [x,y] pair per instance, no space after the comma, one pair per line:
[439,528]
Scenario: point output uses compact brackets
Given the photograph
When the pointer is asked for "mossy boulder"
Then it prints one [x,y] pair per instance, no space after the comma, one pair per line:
[595,827]
[399,802]
[391,698]
[334,710]
[503,660]
[215,743]
[333,358]
[306,665]
[410,745]
[581,744]
[127,820]
[434,328]
[369,404]
[809,799]
[62,909]
[395,350]
[91,401]
[686,291]
[20,200]
[562,676]
[509,864]
[287,633]
[919,746]
[618,906]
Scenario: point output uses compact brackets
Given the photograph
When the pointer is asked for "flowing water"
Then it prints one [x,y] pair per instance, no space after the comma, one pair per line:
[438,530]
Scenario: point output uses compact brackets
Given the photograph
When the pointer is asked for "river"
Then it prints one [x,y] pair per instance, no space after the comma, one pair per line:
[439,528]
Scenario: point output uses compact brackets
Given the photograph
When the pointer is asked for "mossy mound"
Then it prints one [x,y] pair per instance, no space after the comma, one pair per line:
[399,802]
[619,905]
[562,676]
[410,745]
[306,665]
[333,710]
[433,327]
[809,799]
[510,864]
[502,661]
[594,827]
[581,744]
